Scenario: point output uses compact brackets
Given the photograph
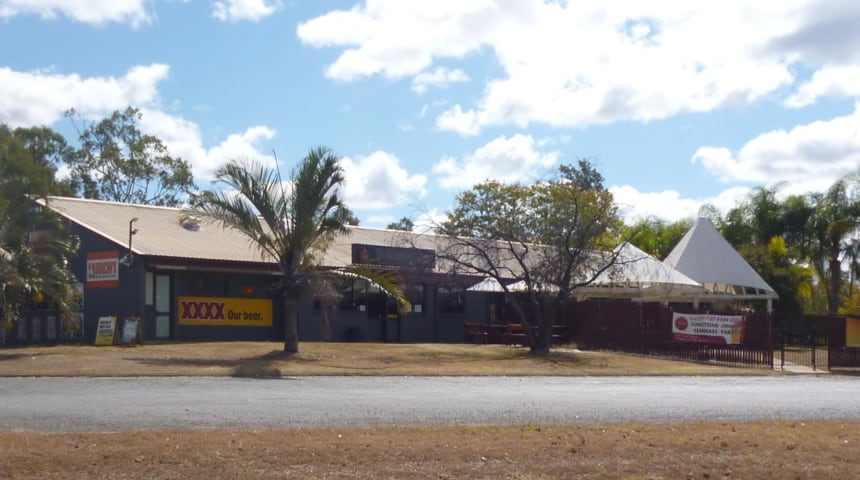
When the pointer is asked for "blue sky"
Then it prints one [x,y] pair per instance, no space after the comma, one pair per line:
[677,103]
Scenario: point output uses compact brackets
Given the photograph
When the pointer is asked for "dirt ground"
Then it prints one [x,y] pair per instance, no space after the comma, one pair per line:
[267,359]
[766,450]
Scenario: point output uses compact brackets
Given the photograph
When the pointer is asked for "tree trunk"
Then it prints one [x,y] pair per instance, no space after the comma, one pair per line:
[291,324]
[541,340]
[325,324]
[835,285]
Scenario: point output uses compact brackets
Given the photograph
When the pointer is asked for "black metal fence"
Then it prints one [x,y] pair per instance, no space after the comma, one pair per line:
[646,328]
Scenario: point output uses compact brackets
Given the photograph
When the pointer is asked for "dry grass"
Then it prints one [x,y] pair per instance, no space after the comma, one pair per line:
[268,359]
[763,450]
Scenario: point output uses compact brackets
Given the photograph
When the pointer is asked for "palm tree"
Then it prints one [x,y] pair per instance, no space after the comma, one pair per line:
[38,268]
[835,220]
[292,225]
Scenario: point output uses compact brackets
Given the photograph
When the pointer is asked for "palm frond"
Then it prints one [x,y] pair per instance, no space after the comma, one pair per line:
[385,280]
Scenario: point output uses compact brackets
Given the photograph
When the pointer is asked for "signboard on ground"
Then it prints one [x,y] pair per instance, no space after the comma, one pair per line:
[707,328]
[235,312]
[105,330]
[131,330]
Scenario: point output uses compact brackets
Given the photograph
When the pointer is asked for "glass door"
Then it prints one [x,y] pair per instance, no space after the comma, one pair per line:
[162,303]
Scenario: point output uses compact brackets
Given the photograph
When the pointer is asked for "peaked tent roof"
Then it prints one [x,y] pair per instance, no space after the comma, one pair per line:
[634,275]
[705,256]
[637,272]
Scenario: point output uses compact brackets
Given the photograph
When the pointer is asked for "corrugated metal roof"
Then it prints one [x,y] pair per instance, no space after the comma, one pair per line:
[160,233]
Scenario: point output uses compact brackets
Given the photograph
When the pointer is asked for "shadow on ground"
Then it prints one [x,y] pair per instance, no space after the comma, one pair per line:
[261,366]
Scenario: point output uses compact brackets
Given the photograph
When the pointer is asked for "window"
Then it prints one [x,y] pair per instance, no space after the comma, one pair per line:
[415,295]
[451,300]
[356,294]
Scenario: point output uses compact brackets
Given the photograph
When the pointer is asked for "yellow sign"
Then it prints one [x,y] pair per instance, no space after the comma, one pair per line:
[237,312]
[105,330]
[852,332]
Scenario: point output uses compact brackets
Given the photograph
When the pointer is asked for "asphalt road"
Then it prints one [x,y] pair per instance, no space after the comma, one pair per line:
[106,404]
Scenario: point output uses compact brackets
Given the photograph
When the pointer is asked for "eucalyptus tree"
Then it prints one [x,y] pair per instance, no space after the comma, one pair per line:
[291,224]
[657,237]
[404,224]
[548,238]
[117,161]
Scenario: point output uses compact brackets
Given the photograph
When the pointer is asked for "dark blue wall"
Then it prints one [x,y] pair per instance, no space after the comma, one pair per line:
[123,301]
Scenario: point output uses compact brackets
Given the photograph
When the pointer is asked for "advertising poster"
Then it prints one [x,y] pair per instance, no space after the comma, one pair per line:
[235,312]
[707,328]
[73,325]
[105,330]
[103,269]
[852,332]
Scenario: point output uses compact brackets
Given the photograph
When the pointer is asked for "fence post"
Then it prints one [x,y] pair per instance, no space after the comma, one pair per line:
[782,351]
[814,343]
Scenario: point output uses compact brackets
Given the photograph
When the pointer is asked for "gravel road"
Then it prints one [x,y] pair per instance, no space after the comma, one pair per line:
[112,404]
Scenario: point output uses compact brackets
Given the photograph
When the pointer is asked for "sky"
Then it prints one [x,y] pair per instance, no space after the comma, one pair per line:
[677,103]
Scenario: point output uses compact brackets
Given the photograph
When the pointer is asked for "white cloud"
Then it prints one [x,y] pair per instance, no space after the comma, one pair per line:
[378,181]
[808,156]
[40,98]
[183,139]
[133,12]
[841,81]
[588,62]
[392,37]
[440,77]
[236,10]
[428,221]
[505,159]
[669,205]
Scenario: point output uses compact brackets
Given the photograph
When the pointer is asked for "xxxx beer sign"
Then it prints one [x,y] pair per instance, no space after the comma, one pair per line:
[237,312]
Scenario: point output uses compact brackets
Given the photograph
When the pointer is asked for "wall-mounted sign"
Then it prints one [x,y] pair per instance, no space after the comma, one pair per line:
[852,332]
[706,328]
[237,312]
[103,269]
[420,258]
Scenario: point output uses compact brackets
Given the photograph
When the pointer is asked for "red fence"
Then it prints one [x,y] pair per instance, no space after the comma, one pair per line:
[646,328]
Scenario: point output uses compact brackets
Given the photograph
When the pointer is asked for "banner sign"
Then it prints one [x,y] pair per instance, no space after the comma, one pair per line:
[706,328]
[852,332]
[103,269]
[237,312]
[105,330]
[382,256]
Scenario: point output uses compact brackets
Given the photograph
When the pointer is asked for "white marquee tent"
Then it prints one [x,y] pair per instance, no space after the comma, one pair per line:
[706,257]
